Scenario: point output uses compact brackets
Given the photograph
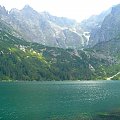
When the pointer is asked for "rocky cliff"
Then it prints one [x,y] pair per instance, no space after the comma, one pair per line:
[44,28]
[110,28]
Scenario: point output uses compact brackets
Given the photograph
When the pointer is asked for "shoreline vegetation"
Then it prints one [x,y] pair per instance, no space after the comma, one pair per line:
[10,80]
[52,80]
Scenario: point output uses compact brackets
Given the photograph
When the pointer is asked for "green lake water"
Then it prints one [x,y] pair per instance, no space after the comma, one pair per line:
[80,100]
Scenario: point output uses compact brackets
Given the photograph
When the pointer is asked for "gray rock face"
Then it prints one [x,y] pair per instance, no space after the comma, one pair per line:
[3,11]
[94,21]
[109,29]
[45,29]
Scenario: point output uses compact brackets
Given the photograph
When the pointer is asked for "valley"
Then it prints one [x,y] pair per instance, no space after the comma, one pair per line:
[39,46]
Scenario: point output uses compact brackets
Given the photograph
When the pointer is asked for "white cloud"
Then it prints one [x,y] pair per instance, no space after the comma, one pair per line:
[76,9]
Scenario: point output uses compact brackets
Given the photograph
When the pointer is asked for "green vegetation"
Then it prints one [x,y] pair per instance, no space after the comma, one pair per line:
[21,60]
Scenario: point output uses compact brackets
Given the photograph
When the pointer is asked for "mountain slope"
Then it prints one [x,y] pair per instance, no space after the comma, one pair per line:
[44,28]
[94,21]
[111,49]
[21,60]
[109,29]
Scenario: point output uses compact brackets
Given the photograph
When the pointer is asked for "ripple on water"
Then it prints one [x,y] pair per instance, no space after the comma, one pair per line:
[58,100]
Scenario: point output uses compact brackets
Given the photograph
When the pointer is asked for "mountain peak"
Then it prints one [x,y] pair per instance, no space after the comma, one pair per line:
[27,8]
[14,10]
[116,10]
[28,11]
[3,10]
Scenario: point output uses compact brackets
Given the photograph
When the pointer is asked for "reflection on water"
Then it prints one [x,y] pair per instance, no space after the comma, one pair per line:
[86,100]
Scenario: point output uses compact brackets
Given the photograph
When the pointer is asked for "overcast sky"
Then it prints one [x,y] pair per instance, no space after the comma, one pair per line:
[75,9]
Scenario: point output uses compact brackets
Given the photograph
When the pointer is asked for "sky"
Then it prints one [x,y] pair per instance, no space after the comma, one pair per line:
[74,9]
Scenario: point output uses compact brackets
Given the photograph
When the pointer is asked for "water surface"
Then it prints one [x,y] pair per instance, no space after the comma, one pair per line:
[58,100]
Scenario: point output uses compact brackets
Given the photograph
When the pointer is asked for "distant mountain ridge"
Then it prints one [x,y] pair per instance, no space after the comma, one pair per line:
[44,28]
[110,28]
[94,21]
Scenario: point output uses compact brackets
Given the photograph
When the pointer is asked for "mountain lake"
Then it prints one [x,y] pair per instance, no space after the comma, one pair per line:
[60,100]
